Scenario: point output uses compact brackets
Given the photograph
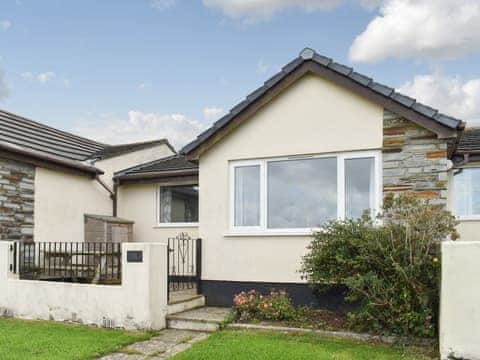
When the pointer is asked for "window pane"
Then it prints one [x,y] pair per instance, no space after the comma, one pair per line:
[301,193]
[247,195]
[178,204]
[466,192]
[359,186]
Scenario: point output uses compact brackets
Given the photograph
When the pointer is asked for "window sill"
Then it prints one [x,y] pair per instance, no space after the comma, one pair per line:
[269,234]
[175,225]
[469,218]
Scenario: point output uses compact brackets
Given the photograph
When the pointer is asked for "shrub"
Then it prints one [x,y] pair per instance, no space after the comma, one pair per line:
[389,265]
[254,306]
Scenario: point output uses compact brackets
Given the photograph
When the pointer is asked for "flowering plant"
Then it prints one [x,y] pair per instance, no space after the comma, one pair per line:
[252,305]
[246,305]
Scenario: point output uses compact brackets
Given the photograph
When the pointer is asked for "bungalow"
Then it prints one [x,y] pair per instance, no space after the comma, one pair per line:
[317,141]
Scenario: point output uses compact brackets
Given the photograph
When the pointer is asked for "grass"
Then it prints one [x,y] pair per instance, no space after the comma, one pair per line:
[39,340]
[233,345]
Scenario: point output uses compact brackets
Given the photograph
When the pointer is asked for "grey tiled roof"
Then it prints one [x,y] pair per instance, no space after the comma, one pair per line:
[310,55]
[115,150]
[175,164]
[30,135]
[32,139]
[470,141]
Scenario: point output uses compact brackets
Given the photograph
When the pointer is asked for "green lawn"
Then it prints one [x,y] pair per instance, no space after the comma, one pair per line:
[233,345]
[21,339]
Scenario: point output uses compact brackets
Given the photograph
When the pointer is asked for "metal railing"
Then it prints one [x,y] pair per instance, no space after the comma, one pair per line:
[93,263]
[184,263]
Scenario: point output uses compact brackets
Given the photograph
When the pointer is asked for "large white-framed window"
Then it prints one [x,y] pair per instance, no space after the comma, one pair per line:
[466,193]
[299,193]
[177,206]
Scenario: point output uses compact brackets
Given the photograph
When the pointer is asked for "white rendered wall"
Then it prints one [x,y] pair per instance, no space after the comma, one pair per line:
[313,116]
[460,300]
[111,165]
[137,202]
[61,201]
[139,303]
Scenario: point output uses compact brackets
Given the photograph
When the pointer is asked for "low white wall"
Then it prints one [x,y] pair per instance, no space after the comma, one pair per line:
[460,300]
[139,303]
[469,230]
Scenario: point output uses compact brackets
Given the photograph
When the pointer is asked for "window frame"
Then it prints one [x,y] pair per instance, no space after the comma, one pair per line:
[262,229]
[157,210]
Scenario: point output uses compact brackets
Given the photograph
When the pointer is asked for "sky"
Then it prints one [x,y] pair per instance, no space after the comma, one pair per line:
[131,70]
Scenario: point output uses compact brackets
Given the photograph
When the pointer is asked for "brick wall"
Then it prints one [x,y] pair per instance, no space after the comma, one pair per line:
[413,159]
[16,200]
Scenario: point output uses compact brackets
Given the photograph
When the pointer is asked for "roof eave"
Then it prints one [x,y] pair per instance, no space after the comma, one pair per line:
[47,161]
[157,174]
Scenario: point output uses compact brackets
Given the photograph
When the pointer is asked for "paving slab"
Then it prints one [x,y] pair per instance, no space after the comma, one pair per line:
[167,343]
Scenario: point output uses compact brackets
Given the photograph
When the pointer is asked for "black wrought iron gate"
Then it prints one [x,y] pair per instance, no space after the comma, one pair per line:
[184,262]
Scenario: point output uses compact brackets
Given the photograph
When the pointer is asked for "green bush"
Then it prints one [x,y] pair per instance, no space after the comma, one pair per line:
[252,305]
[390,265]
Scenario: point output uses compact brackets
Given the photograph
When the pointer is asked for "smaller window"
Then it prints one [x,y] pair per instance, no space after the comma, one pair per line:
[466,192]
[247,195]
[359,186]
[178,204]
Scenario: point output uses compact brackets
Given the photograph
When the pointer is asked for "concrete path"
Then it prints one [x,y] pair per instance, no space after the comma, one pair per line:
[167,343]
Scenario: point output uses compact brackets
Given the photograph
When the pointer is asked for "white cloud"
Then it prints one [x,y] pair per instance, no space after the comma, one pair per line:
[162,4]
[140,126]
[420,29]
[258,10]
[262,68]
[3,86]
[46,76]
[142,86]
[212,113]
[371,4]
[42,77]
[5,25]
[27,75]
[452,95]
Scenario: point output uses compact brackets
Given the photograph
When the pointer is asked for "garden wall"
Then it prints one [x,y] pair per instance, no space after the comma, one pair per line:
[140,302]
[460,300]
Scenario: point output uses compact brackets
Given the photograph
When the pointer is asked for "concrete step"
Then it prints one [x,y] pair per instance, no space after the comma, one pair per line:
[184,304]
[206,319]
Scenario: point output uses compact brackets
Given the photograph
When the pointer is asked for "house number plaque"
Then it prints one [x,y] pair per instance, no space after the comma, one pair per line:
[134,256]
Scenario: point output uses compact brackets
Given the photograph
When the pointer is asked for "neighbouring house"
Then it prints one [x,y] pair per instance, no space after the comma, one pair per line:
[50,179]
[317,141]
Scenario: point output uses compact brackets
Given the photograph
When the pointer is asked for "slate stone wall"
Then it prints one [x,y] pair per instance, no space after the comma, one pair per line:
[413,160]
[16,200]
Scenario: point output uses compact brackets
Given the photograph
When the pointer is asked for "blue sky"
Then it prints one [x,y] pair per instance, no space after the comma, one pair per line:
[125,71]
